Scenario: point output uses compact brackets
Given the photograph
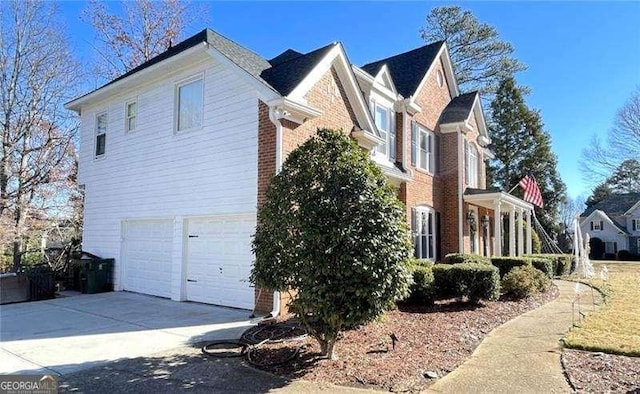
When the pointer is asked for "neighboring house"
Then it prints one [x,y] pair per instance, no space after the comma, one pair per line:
[613,225]
[176,156]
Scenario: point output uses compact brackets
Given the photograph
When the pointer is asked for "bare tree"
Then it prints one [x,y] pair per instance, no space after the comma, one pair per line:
[144,29]
[481,59]
[38,74]
[600,159]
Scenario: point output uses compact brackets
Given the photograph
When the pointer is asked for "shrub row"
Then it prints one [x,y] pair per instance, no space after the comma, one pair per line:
[506,264]
[466,281]
[561,262]
[462,258]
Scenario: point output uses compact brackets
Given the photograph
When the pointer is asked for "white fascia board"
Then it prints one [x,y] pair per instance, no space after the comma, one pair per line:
[408,105]
[482,124]
[338,57]
[75,105]
[633,208]
[498,196]
[380,78]
[366,139]
[605,217]
[265,92]
[448,70]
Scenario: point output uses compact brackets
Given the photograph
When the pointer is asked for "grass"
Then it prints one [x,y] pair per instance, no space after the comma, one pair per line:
[614,327]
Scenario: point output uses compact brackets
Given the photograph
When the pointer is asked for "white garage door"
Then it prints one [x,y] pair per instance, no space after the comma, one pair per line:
[147,256]
[219,261]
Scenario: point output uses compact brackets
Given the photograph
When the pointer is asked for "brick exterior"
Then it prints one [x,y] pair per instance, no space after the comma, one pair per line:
[440,191]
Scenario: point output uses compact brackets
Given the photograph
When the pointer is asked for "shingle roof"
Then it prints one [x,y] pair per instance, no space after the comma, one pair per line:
[458,109]
[290,70]
[407,69]
[285,56]
[614,205]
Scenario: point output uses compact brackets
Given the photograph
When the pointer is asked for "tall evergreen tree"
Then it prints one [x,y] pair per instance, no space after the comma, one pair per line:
[521,146]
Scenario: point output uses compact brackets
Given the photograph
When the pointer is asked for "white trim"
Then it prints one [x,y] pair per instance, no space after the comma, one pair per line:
[486,200]
[104,112]
[603,215]
[176,103]
[293,110]
[336,56]
[429,211]
[133,100]
[633,208]
[75,105]
[448,69]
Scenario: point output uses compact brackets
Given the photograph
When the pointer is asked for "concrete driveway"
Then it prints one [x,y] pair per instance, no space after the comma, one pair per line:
[69,334]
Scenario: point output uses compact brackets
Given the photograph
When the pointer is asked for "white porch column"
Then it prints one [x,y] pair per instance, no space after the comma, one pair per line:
[512,231]
[520,232]
[497,233]
[529,248]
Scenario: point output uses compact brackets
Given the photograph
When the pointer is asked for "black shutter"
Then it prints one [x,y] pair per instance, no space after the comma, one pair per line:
[591,226]
[414,143]
[438,237]
[633,225]
[436,152]
[601,226]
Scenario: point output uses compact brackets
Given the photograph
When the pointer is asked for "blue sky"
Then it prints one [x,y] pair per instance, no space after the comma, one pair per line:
[583,58]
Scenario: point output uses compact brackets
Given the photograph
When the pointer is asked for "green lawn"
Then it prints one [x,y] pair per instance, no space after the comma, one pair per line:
[614,327]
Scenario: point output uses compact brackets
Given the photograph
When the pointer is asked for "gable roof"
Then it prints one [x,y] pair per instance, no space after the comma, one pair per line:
[458,109]
[614,205]
[409,68]
[602,215]
[289,70]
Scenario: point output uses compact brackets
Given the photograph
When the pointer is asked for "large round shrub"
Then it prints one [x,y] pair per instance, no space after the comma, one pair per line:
[525,281]
[333,229]
[422,290]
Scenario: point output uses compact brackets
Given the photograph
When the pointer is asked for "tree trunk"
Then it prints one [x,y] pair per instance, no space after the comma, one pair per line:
[327,348]
[17,255]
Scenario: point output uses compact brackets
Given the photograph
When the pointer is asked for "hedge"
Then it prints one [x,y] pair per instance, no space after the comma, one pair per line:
[561,262]
[422,291]
[505,264]
[462,258]
[543,264]
[470,281]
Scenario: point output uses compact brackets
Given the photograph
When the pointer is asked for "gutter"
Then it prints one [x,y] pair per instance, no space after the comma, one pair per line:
[461,166]
[274,117]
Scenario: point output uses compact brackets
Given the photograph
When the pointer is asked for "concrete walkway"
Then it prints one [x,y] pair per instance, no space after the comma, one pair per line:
[523,355]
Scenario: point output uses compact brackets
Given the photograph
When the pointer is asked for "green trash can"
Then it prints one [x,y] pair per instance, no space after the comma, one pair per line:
[96,275]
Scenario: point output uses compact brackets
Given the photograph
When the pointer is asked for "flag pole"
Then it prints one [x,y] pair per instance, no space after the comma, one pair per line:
[513,188]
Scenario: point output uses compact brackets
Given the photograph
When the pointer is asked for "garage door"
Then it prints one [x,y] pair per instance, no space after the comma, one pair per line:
[147,256]
[219,261]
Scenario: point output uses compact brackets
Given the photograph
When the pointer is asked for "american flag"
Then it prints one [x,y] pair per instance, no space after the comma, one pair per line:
[531,190]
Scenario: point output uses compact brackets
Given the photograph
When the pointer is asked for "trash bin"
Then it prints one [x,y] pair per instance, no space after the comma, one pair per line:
[96,275]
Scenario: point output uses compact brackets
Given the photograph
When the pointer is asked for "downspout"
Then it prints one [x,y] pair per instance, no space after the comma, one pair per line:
[461,168]
[274,118]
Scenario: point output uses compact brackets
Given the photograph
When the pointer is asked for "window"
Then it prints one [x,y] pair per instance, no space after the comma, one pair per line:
[385,122]
[424,232]
[611,247]
[190,105]
[423,148]
[131,114]
[471,165]
[635,224]
[597,226]
[439,78]
[101,134]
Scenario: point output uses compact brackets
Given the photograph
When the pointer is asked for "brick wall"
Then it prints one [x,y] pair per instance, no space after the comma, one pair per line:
[327,95]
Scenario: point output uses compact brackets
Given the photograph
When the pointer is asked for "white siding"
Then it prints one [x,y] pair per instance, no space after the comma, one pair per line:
[153,173]
[609,233]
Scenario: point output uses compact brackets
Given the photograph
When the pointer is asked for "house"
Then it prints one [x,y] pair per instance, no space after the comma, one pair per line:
[176,156]
[613,224]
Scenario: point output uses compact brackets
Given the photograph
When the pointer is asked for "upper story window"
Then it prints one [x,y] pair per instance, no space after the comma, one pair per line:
[190,100]
[635,224]
[131,115]
[423,222]
[471,158]
[439,78]
[101,134]
[597,225]
[385,122]
[423,148]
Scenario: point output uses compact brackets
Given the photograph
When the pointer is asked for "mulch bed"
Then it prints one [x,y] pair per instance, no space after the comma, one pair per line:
[432,341]
[591,372]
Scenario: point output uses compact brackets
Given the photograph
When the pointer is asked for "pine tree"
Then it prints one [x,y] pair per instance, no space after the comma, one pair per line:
[522,146]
